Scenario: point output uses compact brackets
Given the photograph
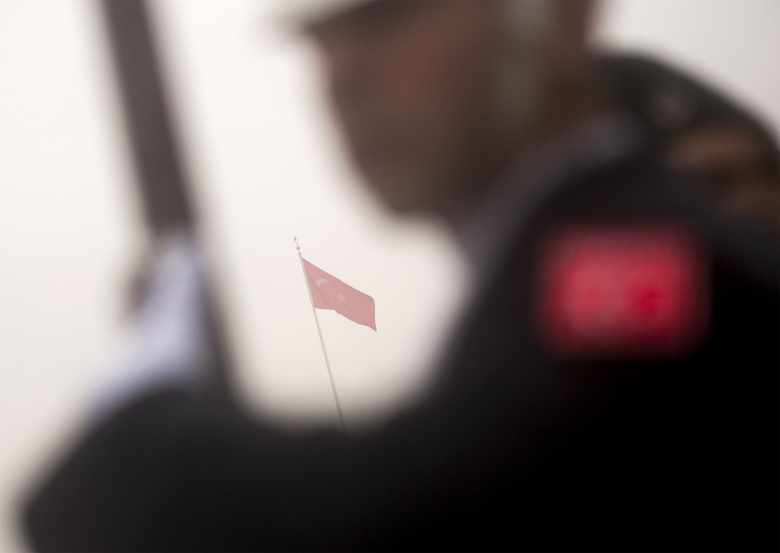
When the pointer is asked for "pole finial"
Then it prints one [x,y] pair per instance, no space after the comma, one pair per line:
[297,245]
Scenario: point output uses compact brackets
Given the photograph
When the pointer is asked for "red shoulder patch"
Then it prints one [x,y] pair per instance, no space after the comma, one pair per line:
[623,290]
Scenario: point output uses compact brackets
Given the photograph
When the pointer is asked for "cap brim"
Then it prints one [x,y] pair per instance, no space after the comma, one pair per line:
[301,14]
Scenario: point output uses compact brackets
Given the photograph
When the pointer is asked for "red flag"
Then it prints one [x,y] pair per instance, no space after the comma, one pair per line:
[328,292]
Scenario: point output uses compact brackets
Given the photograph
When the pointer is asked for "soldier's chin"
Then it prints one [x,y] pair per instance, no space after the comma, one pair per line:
[401,195]
[400,184]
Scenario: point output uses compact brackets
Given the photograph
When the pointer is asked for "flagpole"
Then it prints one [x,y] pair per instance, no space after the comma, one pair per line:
[319,331]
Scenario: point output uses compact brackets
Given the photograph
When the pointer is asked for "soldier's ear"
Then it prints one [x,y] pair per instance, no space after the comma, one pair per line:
[574,12]
[575,19]
[570,35]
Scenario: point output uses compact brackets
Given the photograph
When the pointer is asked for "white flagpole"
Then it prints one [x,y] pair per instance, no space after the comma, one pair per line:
[319,331]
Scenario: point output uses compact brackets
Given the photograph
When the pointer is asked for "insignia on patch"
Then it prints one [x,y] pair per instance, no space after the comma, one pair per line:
[632,290]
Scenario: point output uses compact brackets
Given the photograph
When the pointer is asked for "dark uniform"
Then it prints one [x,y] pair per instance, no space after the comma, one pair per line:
[671,102]
[614,387]
[719,144]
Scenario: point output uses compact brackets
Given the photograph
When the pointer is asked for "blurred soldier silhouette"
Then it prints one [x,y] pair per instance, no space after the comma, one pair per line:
[717,143]
[613,386]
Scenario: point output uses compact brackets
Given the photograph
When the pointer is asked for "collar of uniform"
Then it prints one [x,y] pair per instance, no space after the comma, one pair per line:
[533,176]
[488,234]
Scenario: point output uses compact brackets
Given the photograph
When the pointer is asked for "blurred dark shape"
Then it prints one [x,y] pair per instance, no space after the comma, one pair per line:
[161,178]
[612,386]
[708,136]
[162,185]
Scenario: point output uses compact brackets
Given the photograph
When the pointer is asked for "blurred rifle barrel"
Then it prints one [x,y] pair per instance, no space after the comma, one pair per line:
[164,190]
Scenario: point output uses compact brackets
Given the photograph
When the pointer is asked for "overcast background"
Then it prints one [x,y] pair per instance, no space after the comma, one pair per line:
[267,168]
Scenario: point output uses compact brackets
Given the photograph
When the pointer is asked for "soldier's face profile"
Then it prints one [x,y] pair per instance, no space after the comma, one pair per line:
[411,84]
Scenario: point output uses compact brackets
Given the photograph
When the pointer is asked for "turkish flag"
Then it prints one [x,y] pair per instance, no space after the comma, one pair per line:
[328,292]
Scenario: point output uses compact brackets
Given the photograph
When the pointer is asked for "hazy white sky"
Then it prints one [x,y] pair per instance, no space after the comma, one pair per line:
[267,168]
